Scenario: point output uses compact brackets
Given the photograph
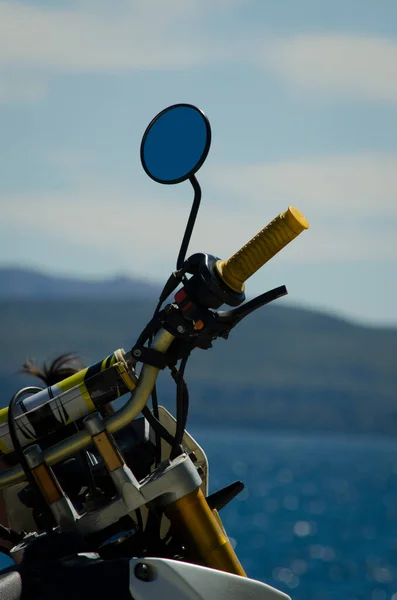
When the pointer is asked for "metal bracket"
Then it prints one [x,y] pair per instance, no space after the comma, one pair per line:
[169,482]
[172,480]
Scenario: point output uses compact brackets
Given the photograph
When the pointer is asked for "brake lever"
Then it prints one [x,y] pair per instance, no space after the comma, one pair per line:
[214,324]
[230,318]
[219,324]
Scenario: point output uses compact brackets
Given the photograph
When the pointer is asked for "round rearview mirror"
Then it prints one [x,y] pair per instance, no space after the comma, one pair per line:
[176,143]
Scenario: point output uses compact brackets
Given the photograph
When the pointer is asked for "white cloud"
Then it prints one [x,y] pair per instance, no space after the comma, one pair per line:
[363,185]
[102,35]
[124,226]
[98,35]
[356,66]
[350,202]
[119,224]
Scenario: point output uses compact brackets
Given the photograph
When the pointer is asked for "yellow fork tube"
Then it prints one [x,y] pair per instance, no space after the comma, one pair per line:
[195,523]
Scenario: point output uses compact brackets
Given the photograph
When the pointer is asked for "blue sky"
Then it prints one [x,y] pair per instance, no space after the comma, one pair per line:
[302,100]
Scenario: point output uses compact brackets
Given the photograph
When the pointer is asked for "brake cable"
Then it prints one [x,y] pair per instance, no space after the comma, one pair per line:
[182,405]
[21,456]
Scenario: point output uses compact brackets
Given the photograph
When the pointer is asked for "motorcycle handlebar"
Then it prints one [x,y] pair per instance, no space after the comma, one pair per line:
[234,272]
[120,419]
[261,248]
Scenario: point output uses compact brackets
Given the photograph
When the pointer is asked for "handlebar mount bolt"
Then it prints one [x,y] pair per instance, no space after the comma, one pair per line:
[181,329]
[137,352]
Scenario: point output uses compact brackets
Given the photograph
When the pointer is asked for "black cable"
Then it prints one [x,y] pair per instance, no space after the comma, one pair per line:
[155,404]
[185,408]
[183,393]
[182,405]
[157,435]
[152,529]
[157,426]
[157,430]
[20,455]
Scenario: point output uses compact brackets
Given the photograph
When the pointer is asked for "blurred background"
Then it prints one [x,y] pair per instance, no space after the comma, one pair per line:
[301,402]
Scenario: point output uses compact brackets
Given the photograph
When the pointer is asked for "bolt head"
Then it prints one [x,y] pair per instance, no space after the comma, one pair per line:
[181,329]
[144,572]
[137,352]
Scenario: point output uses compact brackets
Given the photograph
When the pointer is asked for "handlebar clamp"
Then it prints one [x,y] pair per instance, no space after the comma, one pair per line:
[149,356]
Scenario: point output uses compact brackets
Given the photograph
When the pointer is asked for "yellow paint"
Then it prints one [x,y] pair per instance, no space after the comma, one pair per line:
[72,381]
[47,483]
[108,451]
[192,518]
[3,415]
[129,382]
[218,520]
[3,448]
[86,397]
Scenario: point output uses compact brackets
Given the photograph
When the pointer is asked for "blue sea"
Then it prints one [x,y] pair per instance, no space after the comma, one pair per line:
[318,516]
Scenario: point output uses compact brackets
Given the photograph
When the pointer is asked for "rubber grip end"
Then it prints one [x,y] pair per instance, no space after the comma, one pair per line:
[295,220]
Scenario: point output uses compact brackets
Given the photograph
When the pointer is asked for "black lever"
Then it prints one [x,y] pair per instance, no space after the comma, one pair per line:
[222,497]
[234,316]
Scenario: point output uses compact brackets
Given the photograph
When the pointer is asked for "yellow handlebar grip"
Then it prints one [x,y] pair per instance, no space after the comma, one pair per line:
[251,257]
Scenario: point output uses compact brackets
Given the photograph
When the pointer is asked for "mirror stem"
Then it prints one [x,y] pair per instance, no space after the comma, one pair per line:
[190,223]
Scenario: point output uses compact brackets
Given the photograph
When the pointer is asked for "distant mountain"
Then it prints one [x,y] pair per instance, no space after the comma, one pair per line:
[26,283]
[281,368]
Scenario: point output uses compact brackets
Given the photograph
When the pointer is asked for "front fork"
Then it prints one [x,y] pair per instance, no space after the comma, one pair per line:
[200,528]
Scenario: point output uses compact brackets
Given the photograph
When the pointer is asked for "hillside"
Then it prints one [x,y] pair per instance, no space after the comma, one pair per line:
[281,368]
[26,283]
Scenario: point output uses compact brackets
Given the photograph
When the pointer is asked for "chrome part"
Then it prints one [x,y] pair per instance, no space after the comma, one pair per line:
[94,424]
[33,456]
[128,487]
[120,419]
[153,578]
[171,480]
